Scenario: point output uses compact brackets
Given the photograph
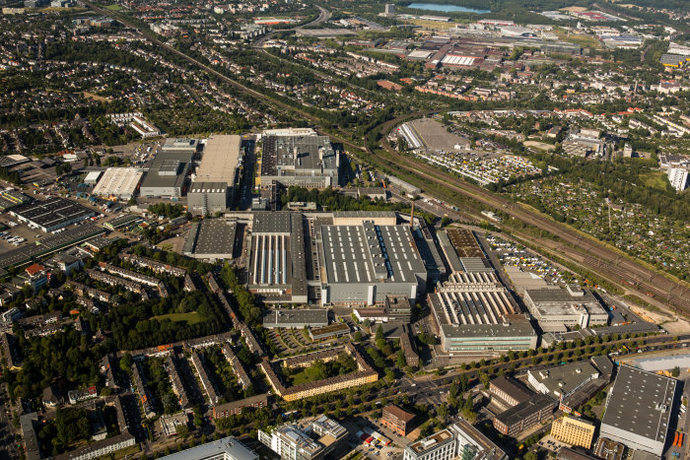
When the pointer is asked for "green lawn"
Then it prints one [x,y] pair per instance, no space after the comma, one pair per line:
[191,317]
[655,179]
[114,7]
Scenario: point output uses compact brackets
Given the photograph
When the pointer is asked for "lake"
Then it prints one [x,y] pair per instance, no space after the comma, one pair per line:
[445,8]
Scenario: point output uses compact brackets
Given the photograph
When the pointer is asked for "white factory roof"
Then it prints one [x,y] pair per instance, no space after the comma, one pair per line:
[120,182]
[454,59]
[220,160]
[420,54]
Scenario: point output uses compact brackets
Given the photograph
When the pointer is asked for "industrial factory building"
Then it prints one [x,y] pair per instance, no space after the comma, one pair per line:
[216,175]
[207,198]
[639,408]
[475,314]
[120,183]
[557,309]
[363,264]
[211,239]
[277,260]
[167,175]
[304,160]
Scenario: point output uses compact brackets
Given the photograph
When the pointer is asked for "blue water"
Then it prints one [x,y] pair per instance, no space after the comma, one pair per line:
[445,8]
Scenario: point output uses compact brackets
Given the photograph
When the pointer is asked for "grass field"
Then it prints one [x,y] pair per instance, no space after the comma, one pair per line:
[655,179]
[114,7]
[578,39]
[191,317]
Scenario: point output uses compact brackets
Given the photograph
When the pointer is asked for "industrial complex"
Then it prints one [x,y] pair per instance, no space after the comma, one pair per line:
[297,159]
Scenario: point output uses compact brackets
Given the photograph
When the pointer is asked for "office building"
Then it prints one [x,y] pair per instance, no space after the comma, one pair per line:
[389,9]
[120,183]
[638,409]
[227,448]
[438,446]
[364,264]
[525,415]
[167,176]
[558,309]
[207,198]
[506,392]
[573,431]
[294,442]
[396,420]
[52,214]
[211,239]
[460,440]
[277,262]
[475,313]
[304,160]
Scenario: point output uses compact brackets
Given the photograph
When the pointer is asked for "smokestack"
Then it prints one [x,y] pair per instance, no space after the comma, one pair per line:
[412,215]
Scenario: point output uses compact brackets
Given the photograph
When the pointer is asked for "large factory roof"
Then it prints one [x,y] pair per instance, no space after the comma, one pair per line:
[472,299]
[168,169]
[178,144]
[514,326]
[561,301]
[641,402]
[53,213]
[211,238]
[220,160]
[369,253]
[285,317]
[271,222]
[120,182]
[297,152]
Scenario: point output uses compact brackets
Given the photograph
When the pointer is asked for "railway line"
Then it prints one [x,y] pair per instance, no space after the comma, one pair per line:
[602,260]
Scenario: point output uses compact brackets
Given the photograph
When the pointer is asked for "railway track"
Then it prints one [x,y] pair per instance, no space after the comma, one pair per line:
[602,260]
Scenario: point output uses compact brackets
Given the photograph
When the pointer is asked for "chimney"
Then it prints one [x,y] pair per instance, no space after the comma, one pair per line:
[412,215]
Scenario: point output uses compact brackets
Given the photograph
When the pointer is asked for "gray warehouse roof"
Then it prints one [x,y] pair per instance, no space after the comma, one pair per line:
[640,402]
[368,253]
[211,238]
[271,222]
[168,169]
[226,448]
[285,317]
[566,378]
[514,328]
[179,144]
